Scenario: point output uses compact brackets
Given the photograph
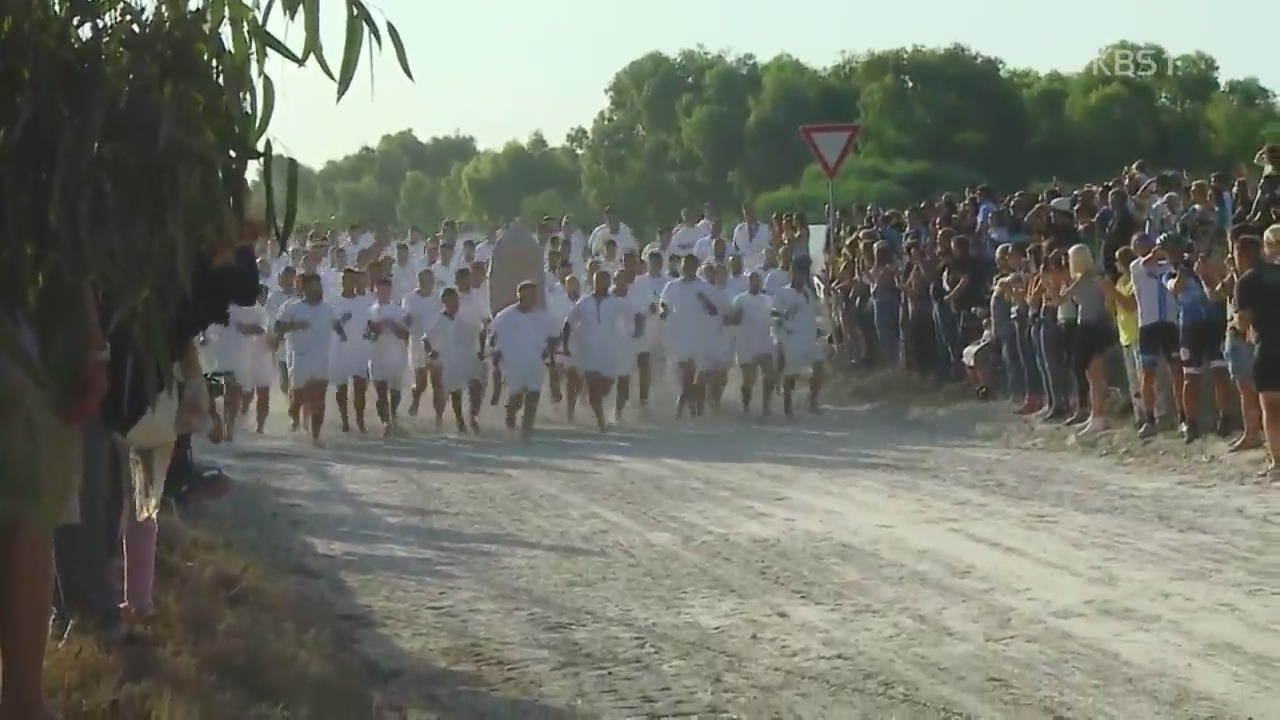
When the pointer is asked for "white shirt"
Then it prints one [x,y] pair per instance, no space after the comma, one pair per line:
[474,307]
[704,247]
[422,310]
[522,336]
[757,317]
[384,317]
[404,278]
[798,321]
[598,328]
[687,316]
[751,245]
[360,308]
[254,316]
[776,279]
[317,336]
[625,239]
[445,277]
[1155,302]
[684,240]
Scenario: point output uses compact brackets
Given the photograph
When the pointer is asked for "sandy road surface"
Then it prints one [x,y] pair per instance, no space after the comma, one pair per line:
[854,565]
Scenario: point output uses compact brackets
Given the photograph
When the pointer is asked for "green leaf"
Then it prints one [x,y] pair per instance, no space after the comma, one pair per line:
[217,13]
[312,44]
[367,18]
[278,46]
[268,187]
[290,201]
[350,53]
[266,109]
[396,42]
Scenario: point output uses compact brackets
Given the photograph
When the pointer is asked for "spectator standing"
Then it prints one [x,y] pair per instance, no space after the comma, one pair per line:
[1258,305]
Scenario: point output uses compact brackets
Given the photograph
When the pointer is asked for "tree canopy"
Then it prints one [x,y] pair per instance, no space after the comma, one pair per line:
[702,126]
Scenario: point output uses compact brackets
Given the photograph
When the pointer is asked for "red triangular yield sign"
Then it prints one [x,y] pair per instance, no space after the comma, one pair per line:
[830,144]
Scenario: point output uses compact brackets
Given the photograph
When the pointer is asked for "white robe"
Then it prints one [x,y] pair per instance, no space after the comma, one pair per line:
[796,331]
[521,339]
[624,237]
[688,324]
[310,346]
[422,310]
[754,336]
[259,361]
[351,358]
[598,325]
[752,245]
[457,343]
[388,354]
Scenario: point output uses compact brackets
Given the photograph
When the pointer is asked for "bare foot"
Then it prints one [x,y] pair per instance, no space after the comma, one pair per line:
[1244,442]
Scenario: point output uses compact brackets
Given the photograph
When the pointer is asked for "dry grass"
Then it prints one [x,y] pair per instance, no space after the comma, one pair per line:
[900,388]
[230,641]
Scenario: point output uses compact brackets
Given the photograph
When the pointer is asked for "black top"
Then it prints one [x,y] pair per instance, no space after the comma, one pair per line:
[1258,291]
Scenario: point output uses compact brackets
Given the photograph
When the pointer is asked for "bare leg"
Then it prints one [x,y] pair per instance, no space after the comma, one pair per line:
[264,407]
[748,384]
[513,409]
[1270,402]
[815,387]
[1251,414]
[770,384]
[381,403]
[395,405]
[622,396]
[788,387]
[688,373]
[597,388]
[476,393]
[341,396]
[643,366]
[317,391]
[231,406]
[295,407]
[1222,389]
[554,380]
[26,564]
[455,399]
[360,386]
[497,385]
[573,388]
[419,387]
[530,412]
[438,396]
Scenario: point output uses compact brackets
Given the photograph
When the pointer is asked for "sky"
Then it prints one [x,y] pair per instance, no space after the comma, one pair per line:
[501,69]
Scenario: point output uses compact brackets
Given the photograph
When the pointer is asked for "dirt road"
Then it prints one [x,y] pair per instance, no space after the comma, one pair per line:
[861,564]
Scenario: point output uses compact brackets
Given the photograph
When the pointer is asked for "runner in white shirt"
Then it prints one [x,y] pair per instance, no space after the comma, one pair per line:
[349,365]
[453,347]
[719,358]
[277,299]
[689,314]
[310,325]
[795,334]
[751,238]
[569,348]
[612,228]
[523,340]
[778,277]
[630,342]
[404,274]
[752,318]
[661,245]
[611,260]
[473,311]
[422,306]
[647,289]
[255,378]
[711,246]
[573,244]
[685,236]
[389,354]
[598,324]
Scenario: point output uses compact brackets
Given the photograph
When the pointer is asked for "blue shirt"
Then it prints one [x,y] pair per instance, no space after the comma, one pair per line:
[1193,302]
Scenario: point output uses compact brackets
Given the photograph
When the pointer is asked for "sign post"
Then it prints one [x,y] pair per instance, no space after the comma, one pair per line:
[830,144]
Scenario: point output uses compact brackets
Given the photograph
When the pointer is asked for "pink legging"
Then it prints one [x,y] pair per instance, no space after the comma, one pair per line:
[139,562]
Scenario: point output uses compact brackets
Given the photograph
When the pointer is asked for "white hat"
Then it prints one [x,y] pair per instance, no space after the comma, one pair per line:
[1062,204]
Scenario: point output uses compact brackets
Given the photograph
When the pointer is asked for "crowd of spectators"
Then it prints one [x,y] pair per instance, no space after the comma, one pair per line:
[1079,305]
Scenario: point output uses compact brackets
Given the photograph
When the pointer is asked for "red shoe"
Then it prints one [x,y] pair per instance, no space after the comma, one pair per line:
[1032,405]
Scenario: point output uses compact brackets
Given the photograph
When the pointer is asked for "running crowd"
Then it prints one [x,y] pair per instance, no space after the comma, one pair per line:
[1053,299]
[398,319]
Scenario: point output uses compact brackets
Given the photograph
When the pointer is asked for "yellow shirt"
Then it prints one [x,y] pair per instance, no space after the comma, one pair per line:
[1126,320]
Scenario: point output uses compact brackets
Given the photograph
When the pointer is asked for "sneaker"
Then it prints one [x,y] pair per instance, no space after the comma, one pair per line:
[1079,417]
[1147,431]
[1225,427]
[1092,427]
[1190,433]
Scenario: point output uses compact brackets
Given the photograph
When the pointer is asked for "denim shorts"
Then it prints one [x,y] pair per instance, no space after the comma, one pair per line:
[1239,353]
